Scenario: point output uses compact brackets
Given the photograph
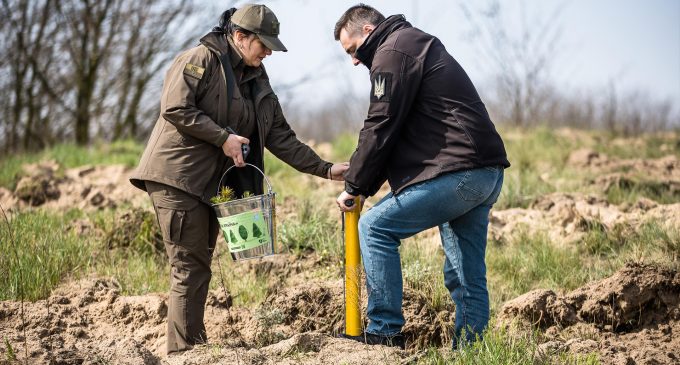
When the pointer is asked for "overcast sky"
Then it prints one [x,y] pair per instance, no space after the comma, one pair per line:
[634,43]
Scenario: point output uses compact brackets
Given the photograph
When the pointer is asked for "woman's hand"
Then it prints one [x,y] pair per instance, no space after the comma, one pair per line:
[336,171]
[232,148]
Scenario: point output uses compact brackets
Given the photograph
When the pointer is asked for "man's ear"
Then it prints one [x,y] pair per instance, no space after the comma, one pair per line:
[367,29]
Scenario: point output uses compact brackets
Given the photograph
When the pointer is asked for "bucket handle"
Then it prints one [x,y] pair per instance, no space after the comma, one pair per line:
[257,168]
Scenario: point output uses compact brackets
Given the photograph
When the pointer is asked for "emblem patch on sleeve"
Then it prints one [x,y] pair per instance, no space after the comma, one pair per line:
[381,86]
[193,71]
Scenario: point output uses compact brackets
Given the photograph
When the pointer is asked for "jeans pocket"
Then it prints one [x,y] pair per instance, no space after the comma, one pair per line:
[468,193]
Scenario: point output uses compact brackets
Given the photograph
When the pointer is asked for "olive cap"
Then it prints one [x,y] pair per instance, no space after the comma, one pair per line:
[260,20]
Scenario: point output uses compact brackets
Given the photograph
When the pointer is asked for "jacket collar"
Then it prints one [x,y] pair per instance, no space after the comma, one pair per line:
[366,51]
[216,42]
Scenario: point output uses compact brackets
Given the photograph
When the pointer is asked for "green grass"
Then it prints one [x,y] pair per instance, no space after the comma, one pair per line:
[248,289]
[47,252]
[69,156]
[38,254]
[10,355]
[539,165]
[631,190]
[311,231]
[650,146]
[129,248]
[521,186]
[423,272]
[530,262]
[498,347]
[273,166]
[531,155]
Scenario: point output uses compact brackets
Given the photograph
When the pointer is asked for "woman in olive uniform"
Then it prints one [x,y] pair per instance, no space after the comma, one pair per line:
[216,97]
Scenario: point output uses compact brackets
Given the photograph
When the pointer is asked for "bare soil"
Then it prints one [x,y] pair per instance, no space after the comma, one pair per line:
[566,217]
[632,317]
[88,321]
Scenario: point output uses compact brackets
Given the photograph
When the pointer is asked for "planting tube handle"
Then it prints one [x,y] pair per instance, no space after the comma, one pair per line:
[245,149]
[248,164]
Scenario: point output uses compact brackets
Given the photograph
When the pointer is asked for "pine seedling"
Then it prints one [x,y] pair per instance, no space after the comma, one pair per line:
[226,194]
[247,194]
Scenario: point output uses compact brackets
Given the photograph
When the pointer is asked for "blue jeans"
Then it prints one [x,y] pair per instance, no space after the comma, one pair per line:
[459,204]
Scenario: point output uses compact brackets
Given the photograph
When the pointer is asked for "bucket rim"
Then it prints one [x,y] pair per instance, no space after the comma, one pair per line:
[270,194]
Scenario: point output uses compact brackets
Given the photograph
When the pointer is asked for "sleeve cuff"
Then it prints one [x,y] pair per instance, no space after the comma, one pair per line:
[221,138]
[353,190]
[325,172]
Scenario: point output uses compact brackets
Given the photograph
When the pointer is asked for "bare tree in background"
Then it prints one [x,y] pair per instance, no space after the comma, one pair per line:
[90,30]
[521,62]
[526,95]
[77,66]
[145,54]
[28,26]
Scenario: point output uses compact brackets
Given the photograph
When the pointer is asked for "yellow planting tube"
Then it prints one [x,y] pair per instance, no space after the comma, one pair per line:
[352,271]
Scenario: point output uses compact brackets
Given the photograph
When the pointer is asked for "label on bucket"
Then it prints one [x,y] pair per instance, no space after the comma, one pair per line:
[244,231]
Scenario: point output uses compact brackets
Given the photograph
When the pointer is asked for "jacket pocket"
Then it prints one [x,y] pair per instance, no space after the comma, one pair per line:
[462,124]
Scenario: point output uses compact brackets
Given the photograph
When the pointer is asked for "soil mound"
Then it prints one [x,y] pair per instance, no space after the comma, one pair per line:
[47,185]
[90,322]
[667,167]
[566,217]
[311,307]
[635,314]
[86,322]
[658,179]
[425,326]
[320,308]
[39,184]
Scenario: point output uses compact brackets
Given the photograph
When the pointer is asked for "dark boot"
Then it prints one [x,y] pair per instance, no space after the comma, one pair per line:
[396,340]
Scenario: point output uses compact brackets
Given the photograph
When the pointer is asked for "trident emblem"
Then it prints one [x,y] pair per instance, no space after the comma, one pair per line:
[379,87]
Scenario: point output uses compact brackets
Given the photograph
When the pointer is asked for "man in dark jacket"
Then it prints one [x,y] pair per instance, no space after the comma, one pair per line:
[216,98]
[429,135]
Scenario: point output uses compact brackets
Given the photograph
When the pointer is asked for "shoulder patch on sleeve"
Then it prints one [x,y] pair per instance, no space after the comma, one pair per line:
[193,71]
[381,86]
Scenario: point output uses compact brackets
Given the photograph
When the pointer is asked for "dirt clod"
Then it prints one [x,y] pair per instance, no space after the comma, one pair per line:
[38,188]
[637,306]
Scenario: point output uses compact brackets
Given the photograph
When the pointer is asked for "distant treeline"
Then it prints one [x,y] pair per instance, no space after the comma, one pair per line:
[522,91]
[77,70]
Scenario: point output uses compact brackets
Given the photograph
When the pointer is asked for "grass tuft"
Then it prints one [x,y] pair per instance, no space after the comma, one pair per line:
[47,252]
[312,231]
[499,347]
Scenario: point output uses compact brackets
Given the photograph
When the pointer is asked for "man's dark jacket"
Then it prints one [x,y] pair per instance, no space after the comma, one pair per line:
[425,117]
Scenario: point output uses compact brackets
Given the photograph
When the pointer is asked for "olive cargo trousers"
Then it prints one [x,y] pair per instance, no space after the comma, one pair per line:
[190,230]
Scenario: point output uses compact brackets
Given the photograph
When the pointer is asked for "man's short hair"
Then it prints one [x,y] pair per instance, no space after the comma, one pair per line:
[355,18]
